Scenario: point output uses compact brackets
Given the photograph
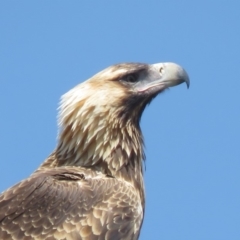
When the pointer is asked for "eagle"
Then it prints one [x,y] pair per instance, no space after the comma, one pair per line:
[91,186]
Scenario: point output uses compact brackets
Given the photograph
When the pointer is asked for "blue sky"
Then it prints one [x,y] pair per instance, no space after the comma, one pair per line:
[192,136]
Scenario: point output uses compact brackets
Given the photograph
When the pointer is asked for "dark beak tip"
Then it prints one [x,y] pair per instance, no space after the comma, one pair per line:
[186,79]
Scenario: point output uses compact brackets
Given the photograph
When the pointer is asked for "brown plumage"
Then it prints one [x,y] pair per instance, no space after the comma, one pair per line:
[91,187]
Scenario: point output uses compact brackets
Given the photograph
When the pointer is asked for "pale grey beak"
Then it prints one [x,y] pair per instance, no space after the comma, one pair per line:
[163,75]
[172,74]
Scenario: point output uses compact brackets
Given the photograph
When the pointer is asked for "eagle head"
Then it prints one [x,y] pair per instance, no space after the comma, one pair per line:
[121,91]
[99,118]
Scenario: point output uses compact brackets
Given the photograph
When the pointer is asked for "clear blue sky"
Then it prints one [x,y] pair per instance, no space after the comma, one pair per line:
[192,136]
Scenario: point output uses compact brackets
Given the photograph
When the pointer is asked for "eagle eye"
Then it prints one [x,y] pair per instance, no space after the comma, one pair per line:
[130,78]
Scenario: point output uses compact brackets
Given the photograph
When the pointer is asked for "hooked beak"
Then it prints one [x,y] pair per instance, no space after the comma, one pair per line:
[162,76]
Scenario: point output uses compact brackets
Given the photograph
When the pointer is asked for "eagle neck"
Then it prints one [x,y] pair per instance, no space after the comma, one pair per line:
[108,145]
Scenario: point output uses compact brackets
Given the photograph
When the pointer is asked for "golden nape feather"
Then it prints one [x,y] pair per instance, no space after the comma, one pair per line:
[91,187]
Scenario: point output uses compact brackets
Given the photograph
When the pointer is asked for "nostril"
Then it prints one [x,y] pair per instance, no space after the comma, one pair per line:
[161,70]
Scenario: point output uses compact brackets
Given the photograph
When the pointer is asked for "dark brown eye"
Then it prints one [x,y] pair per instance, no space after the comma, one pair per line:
[131,78]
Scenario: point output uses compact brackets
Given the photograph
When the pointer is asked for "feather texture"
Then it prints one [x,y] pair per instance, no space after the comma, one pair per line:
[91,187]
